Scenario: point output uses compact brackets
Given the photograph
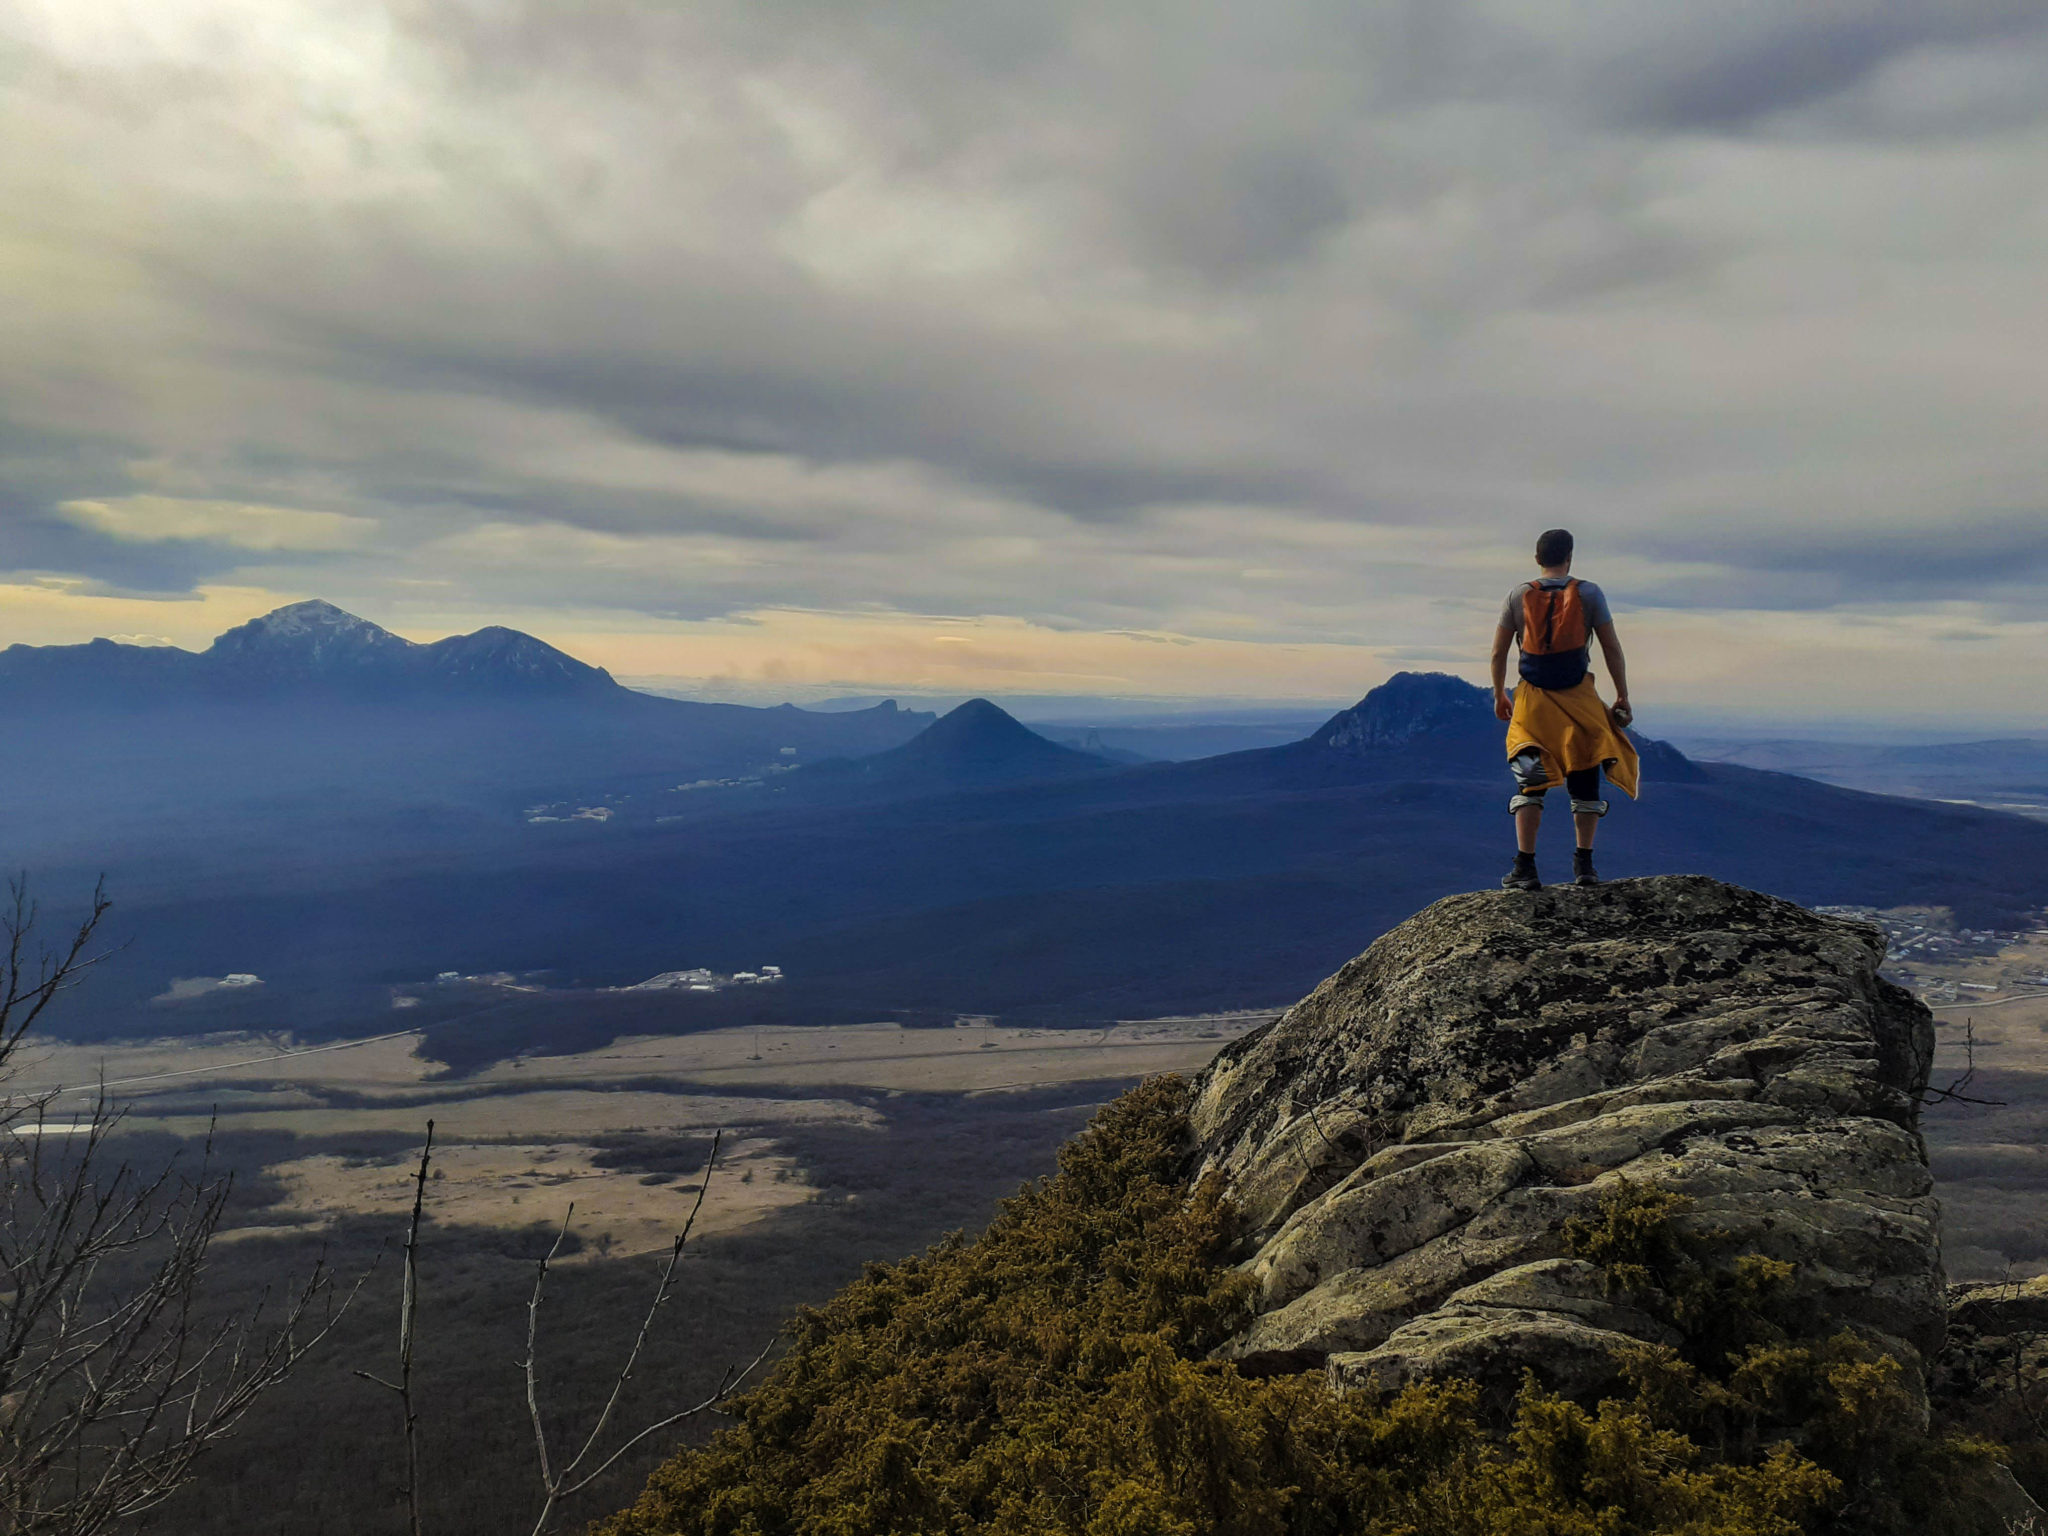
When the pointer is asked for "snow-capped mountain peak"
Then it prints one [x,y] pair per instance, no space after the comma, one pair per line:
[312,633]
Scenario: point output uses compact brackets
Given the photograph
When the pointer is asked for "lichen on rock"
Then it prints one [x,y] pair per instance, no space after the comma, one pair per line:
[1407,1144]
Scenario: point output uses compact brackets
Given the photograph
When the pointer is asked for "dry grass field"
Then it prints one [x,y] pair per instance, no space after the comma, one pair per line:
[518,1142]
[513,1184]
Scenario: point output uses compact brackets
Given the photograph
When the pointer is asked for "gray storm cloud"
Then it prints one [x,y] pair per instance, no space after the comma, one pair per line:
[1286,322]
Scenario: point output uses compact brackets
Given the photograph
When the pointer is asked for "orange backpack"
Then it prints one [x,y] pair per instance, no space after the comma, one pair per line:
[1553,620]
[1554,636]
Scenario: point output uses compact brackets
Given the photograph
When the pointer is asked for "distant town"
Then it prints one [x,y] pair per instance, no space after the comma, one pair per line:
[697,980]
[703,981]
[1926,947]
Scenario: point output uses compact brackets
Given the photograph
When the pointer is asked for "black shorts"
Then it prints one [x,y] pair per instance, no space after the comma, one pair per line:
[1580,784]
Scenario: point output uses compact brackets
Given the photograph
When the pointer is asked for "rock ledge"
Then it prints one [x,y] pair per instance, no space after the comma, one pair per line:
[1407,1142]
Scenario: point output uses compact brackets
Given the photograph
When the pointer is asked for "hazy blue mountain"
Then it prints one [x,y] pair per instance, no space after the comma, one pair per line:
[306,650]
[1415,726]
[314,738]
[1227,882]
[974,746]
[1410,708]
[507,661]
[308,643]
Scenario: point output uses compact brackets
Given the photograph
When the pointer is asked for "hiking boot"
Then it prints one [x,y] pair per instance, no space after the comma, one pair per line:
[1583,872]
[1523,876]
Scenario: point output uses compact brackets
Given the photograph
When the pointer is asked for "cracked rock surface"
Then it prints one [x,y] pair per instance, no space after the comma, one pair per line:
[1406,1143]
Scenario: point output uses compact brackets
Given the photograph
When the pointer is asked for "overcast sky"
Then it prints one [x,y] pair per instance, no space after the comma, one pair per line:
[1141,349]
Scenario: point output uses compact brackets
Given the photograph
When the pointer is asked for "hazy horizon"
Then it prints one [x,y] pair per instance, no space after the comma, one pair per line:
[1080,710]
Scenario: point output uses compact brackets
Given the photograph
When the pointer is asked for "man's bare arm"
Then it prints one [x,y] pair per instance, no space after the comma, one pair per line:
[1617,668]
[1503,637]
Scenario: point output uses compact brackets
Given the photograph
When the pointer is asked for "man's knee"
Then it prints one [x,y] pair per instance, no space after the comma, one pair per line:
[1583,786]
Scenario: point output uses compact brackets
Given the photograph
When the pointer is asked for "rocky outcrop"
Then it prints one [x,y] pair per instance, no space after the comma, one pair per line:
[1406,1144]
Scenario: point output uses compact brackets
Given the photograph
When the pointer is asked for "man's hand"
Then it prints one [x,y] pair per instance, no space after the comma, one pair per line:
[1623,715]
[1503,706]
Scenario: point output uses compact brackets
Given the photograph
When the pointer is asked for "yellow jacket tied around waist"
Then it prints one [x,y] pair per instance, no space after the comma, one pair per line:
[1573,730]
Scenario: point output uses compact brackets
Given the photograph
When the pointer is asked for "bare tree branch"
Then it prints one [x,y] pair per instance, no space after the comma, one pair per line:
[731,1383]
[559,1485]
[531,1369]
[26,992]
[408,1307]
[111,1381]
[661,1294]
[1954,1093]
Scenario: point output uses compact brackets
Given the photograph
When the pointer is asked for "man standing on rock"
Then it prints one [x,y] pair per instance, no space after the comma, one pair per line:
[1559,731]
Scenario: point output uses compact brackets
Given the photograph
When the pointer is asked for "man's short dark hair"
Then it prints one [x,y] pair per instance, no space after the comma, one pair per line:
[1554,547]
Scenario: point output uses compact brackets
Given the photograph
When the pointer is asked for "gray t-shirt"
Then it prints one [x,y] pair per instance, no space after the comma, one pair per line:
[1591,598]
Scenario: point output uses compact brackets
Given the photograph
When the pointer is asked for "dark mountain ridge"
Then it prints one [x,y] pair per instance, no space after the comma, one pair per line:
[977,745]
[1406,708]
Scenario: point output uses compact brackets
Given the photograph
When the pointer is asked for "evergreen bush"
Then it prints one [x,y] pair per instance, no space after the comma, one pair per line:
[1051,1377]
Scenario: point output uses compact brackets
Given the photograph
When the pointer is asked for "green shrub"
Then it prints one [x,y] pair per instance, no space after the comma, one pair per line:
[1050,1377]
[1742,1387]
[1718,1306]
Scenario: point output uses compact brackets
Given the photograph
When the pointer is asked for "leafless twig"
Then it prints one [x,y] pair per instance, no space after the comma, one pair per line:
[112,1382]
[407,1310]
[571,1478]
[28,987]
[579,1472]
[1954,1093]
